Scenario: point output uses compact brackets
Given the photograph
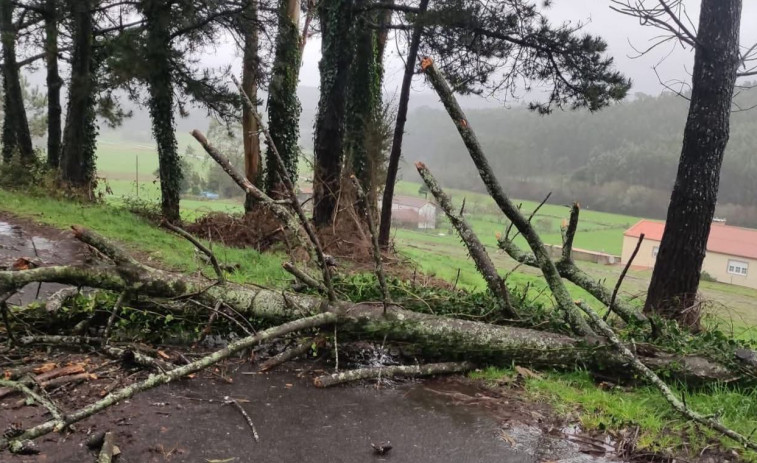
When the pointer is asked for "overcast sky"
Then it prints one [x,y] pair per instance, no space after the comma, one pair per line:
[622,34]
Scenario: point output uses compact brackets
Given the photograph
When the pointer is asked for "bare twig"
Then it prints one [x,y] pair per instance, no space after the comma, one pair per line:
[300,349]
[49,405]
[281,212]
[611,306]
[374,240]
[113,315]
[289,184]
[188,236]
[475,248]
[402,370]
[231,401]
[304,277]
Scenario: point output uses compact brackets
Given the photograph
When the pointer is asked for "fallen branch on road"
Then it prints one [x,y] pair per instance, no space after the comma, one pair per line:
[390,371]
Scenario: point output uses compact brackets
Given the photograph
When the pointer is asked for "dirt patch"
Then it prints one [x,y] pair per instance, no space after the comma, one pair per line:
[260,229]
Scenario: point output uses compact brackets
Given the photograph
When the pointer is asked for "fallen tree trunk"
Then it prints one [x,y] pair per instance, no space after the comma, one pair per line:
[438,337]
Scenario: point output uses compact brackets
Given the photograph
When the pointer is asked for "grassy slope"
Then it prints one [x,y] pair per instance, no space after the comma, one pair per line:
[138,234]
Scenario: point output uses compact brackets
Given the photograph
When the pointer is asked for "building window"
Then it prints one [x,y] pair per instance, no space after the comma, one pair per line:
[655,250]
[737,267]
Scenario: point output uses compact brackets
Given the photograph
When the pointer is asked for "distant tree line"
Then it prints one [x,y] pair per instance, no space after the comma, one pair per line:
[622,159]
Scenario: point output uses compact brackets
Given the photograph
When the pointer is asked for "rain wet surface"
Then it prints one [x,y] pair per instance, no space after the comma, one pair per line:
[39,245]
[187,421]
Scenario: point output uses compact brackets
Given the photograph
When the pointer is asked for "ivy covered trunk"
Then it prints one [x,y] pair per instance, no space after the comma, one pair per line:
[363,156]
[675,280]
[54,84]
[399,131]
[77,161]
[159,79]
[250,72]
[283,105]
[336,51]
[15,136]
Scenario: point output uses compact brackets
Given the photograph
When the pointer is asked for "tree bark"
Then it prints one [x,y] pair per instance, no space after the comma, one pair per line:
[336,49]
[16,135]
[548,269]
[399,130]
[363,103]
[250,74]
[158,53]
[438,337]
[78,155]
[283,104]
[476,249]
[54,84]
[675,279]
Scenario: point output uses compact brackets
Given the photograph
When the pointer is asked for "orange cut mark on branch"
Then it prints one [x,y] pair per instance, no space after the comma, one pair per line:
[426,63]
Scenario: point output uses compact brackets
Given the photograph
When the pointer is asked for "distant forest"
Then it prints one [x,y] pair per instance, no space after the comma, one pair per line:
[621,159]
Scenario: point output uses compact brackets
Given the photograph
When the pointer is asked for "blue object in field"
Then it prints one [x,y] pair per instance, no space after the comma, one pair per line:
[209,195]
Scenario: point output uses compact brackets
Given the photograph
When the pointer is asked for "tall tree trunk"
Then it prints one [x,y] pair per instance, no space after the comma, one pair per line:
[157,14]
[78,155]
[16,135]
[336,51]
[283,104]
[250,73]
[363,101]
[675,279]
[399,130]
[54,84]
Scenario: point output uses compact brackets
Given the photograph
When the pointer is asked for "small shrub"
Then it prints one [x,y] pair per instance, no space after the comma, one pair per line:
[704,276]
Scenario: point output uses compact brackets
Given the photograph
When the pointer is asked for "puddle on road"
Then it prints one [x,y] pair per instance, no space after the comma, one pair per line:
[29,243]
[7,229]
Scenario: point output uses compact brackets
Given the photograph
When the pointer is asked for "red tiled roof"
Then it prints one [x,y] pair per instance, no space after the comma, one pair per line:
[724,239]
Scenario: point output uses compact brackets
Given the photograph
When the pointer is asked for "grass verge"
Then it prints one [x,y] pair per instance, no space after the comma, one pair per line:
[138,234]
[662,430]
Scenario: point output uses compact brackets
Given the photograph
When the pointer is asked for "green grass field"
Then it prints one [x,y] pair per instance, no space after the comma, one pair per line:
[439,252]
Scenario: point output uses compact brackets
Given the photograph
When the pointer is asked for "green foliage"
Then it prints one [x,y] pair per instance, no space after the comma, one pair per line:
[468,305]
[363,104]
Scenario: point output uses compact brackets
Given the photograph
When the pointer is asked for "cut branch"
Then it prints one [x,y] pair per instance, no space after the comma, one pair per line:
[290,354]
[289,185]
[551,275]
[188,236]
[279,210]
[374,240]
[389,371]
[476,249]
[304,277]
[611,305]
[570,233]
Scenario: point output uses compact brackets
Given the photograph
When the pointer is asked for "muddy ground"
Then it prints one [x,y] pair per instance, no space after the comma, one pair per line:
[438,420]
